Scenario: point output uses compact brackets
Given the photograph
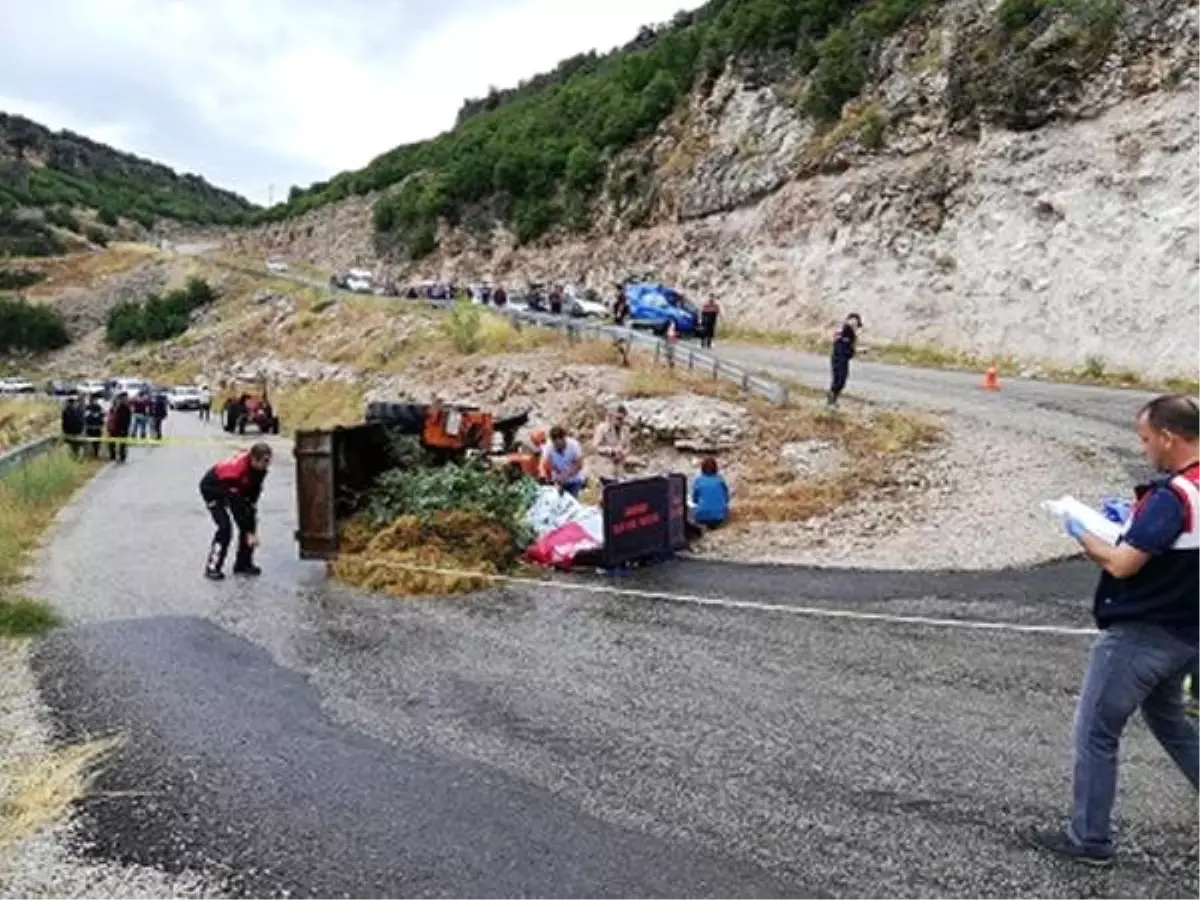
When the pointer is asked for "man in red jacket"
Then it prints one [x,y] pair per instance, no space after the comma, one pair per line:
[232,488]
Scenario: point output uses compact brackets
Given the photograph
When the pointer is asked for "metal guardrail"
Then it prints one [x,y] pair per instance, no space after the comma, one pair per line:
[13,459]
[678,355]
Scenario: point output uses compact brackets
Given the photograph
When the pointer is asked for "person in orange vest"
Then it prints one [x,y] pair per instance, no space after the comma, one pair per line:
[231,488]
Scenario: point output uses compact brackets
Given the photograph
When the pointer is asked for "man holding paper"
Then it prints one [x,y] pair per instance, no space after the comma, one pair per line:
[1146,608]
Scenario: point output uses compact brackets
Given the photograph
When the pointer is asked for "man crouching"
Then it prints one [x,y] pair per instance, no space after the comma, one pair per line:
[232,487]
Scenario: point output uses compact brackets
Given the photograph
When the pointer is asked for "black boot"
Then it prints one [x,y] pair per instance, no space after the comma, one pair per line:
[244,564]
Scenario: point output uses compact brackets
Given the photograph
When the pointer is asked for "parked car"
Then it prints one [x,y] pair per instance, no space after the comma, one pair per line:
[16,386]
[583,303]
[655,306]
[276,265]
[184,397]
[130,386]
[92,387]
[62,388]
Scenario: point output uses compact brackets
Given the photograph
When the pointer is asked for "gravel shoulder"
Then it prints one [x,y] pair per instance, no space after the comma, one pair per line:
[972,503]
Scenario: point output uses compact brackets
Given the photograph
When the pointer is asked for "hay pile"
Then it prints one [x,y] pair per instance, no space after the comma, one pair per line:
[460,540]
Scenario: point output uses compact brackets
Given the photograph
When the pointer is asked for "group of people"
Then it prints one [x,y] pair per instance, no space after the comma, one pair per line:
[85,426]
[558,459]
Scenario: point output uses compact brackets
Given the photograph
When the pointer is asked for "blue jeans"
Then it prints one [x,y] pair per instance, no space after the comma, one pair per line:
[1132,664]
[138,425]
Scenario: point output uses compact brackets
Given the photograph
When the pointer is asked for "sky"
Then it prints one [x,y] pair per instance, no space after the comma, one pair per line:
[255,93]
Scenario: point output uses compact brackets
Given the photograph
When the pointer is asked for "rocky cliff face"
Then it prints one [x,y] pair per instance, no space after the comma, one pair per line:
[1061,228]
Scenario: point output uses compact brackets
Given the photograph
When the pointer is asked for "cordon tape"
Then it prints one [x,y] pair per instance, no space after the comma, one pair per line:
[816,612]
[244,441]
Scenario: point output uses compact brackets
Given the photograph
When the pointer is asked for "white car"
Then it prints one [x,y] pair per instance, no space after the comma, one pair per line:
[184,397]
[358,285]
[276,265]
[16,386]
[91,388]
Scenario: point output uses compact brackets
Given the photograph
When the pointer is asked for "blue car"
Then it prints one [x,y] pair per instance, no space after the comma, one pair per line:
[655,306]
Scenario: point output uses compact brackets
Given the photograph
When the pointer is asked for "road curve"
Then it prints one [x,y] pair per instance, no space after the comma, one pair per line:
[288,737]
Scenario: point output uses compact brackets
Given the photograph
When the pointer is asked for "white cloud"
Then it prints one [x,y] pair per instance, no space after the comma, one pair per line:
[284,91]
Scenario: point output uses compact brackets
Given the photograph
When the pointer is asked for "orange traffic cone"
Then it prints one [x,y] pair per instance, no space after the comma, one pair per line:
[991,382]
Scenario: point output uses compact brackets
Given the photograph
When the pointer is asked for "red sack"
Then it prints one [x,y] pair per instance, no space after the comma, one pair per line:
[560,546]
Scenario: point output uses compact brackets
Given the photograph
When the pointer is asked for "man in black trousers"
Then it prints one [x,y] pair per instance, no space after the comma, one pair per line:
[230,490]
[844,347]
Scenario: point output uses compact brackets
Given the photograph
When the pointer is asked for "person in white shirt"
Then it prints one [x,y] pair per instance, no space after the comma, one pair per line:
[563,459]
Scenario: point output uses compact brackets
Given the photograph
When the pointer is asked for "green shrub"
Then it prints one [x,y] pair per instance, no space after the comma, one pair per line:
[22,617]
[63,218]
[464,327]
[424,492]
[30,326]
[838,77]
[15,279]
[108,216]
[157,318]
[1017,14]
[97,236]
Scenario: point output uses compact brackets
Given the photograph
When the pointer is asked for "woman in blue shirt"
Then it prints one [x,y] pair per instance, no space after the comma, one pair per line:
[710,496]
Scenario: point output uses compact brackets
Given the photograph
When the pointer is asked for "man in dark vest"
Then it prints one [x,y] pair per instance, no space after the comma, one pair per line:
[845,344]
[230,490]
[1146,610]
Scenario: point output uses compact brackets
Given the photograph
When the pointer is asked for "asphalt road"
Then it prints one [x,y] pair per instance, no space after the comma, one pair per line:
[287,736]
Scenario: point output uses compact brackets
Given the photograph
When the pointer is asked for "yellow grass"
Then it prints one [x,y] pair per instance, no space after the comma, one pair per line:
[321,404]
[30,497]
[25,418]
[872,442]
[40,789]
[85,268]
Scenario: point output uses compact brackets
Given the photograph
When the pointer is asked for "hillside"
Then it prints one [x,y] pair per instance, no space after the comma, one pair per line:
[967,174]
[60,191]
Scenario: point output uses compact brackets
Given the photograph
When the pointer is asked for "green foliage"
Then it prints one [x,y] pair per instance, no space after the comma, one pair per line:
[464,327]
[157,318]
[22,617]
[1039,53]
[423,492]
[584,167]
[26,235]
[533,156]
[30,326]
[15,279]
[63,218]
[97,236]
[873,128]
[1017,14]
[839,76]
[78,172]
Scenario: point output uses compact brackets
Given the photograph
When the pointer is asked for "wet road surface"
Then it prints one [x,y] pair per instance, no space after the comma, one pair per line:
[289,736]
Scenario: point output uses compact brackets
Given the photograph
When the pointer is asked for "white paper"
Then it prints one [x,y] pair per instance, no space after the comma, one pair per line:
[1067,506]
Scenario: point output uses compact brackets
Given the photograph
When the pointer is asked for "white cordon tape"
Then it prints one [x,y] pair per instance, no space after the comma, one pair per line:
[815,612]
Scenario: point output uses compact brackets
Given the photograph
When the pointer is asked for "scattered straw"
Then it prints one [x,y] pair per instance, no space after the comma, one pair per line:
[39,790]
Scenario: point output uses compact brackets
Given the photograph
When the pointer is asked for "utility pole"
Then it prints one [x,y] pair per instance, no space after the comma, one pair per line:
[270,195]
